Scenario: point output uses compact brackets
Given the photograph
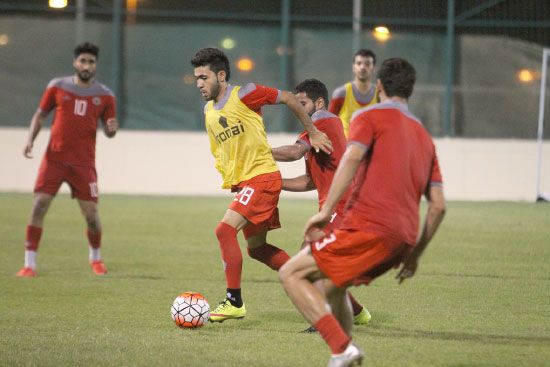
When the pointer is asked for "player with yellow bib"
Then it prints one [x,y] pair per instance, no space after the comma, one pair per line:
[357,94]
[238,142]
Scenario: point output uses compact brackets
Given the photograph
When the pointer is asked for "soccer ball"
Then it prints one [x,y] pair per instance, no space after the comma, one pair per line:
[190,310]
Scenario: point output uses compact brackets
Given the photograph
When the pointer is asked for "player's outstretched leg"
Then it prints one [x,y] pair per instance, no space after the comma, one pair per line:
[232,307]
[296,276]
[40,207]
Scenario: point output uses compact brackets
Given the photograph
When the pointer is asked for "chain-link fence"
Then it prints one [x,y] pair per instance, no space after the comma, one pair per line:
[497,47]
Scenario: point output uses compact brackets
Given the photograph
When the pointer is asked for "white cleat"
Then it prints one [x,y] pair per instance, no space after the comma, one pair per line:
[352,356]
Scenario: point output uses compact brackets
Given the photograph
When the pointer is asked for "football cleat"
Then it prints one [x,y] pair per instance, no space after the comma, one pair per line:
[98,267]
[362,318]
[26,272]
[309,330]
[352,356]
[226,311]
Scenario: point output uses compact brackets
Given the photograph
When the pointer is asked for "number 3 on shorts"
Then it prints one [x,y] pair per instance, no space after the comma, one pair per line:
[244,195]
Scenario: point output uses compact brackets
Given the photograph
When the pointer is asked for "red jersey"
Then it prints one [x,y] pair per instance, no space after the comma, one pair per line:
[320,167]
[400,165]
[74,127]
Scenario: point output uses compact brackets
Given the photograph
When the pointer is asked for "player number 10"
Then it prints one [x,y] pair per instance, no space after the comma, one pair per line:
[80,106]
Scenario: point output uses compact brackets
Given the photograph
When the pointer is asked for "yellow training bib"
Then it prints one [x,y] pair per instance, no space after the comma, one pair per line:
[351,105]
[238,141]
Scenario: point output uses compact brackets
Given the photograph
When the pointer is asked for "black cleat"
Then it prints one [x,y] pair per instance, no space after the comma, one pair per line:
[309,330]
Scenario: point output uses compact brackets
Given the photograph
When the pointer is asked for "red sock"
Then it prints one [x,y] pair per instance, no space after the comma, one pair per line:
[32,240]
[332,332]
[231,254]
[270,255]
[94,239]
[357,307]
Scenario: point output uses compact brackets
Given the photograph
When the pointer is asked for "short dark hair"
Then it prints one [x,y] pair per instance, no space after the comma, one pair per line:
[214,58]
[397,77]
[86,48]
[365,53]
[313,89]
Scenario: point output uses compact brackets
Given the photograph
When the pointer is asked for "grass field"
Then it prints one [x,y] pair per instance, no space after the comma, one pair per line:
[481,298]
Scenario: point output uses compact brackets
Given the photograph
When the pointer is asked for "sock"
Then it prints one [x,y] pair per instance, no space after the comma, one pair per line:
[30,259]
[270,255]
[357,307]
[95,254]
[332,332]
[234,296]
[32,239]
[94,240]
[231,254]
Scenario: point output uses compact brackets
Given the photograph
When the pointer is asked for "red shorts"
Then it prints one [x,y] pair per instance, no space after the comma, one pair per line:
[334,223]
[257,201]
[355,257]
[82,180]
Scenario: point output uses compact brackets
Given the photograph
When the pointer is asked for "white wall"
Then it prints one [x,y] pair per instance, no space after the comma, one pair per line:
[179,163]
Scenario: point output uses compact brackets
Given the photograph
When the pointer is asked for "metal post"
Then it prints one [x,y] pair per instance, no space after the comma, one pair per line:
[80,18]
[449,70]
[117,58]
[356,24]
[286,121]
[285,43]
[540,195]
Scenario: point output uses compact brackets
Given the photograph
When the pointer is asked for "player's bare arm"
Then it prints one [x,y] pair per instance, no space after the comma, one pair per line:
[110,127]
[342,180]
[34,129]
[318,139]
[289,153]
[298,184]
[434,216]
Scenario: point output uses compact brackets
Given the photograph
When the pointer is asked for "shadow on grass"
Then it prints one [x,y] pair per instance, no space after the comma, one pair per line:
[394,332]
[489,276]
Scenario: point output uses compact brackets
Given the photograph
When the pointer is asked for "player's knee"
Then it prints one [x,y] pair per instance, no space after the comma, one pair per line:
[224,231]
[94,226]
[40,207]
[285,273]
[92,221]
[333,292]
[254,253]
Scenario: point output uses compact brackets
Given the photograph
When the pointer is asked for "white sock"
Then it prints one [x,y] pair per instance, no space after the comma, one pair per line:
[30,259]
[95,254]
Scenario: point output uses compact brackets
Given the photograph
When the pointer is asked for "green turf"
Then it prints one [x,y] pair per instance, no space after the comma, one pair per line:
[481,298]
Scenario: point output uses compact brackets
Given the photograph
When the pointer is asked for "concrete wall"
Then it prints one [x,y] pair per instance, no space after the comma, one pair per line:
[180,163]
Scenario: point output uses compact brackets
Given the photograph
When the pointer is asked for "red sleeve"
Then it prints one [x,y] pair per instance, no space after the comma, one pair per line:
[110,109]
[305,138]
[335,105]
[361,130]
[320,126]
[255,96]
[47,103]
[435,177]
